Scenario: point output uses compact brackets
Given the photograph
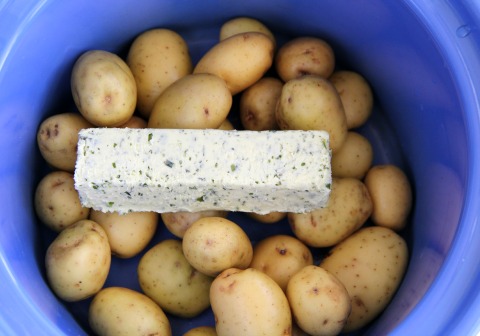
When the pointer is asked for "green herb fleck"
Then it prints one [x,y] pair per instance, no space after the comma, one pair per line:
[201,198]
[150,136]
[168,163]
[114,144]
[328,185]
[303,164]
[114,165]
[233,167]
[110,204]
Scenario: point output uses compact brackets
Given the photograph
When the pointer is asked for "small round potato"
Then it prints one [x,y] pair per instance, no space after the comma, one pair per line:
[226,125]
[119,311]
[193,101]
[168,279]
[304,56]
[243,25]
[103,88]
[241,60]
[201,331]
[356,96]
[178,222]
[347,209]
[128,234]
[280,257]
[370,264]
[391,194]
[213,244]
[258,103]
[319,301]
[77,262]
[57,139]
[57,203]
[157,58]
[134,122]
[249,302]
[269,218]
[312,103]
[354,158]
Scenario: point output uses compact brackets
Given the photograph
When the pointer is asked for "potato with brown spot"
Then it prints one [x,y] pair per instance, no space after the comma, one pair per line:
[178,222]
[347,209]
[356,95]
[249,302]
[258,104]
[213,244]
[391,194]
[319,301]
[354,158]
[201,331]
[194,101]
[280,257]
[77,262]
[371,264]
[135,122]
[57,203]
[304,56]
[168,279]
[57,139]
[119,311]
[103,88]
[128,234]
[312,103]
[157,57]
[240,60]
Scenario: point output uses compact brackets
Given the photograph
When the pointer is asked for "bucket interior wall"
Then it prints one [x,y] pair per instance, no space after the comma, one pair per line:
[418,121]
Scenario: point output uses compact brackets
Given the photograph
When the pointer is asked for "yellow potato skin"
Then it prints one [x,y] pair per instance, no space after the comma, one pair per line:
[347,209]
[193,102]
[354,158]
[118,311]
[178,222]
[103,88]
[241,60]
[201,331]
[243,24]
[157,58]
[78,261]
[249,302]
[57,139]
[128,234]
[168,279]
[312,103]
[391,194]
[371,264]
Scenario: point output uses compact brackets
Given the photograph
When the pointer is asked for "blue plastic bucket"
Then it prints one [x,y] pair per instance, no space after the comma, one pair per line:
[421,57]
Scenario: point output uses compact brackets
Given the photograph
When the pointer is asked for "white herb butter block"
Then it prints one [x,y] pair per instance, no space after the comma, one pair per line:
[170,170]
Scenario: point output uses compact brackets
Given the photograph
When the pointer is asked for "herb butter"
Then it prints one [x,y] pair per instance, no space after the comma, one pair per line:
[170,170]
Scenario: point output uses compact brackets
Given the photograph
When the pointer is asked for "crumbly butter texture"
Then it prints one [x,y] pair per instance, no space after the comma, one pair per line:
[171,170]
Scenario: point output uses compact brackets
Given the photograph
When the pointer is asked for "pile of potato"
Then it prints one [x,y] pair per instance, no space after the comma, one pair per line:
[270,287]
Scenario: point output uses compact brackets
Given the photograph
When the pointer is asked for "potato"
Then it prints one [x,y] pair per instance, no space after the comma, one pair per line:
[120,311]
[168,279]
[157,58]
[354,158]
[128,234]
[249,302]
[57,139]
[193,101]
[241,60]
[319,301]
[371,264]
[391,194]
[280,257]
[347,209]
[77,262]
[57,203]
[356,96]
[304,56]
[258,104]
[103,88]
[213,244]
[269,218]
[178,222]
[135,122]
[201,331]
[226,125]
[312,103]
[244,25]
